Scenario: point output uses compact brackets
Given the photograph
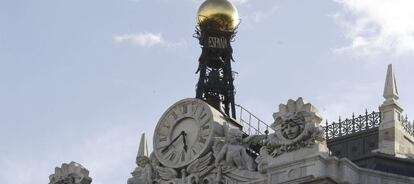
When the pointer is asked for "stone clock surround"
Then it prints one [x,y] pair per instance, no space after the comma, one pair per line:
[202,124]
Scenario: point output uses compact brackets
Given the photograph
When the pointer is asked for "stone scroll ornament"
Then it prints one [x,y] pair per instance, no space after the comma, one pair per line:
[296,126]
[72,173]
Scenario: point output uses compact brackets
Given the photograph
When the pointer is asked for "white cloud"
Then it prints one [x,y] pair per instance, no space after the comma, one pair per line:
[377,26]
[144,39]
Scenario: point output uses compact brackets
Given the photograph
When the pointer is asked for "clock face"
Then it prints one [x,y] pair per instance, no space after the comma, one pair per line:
[183,133]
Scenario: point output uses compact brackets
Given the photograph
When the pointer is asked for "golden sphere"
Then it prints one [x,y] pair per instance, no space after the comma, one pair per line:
[221,12]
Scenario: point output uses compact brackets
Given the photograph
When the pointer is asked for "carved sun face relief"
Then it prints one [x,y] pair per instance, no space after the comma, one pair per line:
[183,133]
[291,128]
[296,126]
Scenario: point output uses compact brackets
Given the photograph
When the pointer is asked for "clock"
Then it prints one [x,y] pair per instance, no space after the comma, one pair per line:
[186,131]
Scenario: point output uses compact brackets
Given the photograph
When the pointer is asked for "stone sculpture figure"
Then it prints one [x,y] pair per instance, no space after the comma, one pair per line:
[72,173]
[142,174]
[233,153]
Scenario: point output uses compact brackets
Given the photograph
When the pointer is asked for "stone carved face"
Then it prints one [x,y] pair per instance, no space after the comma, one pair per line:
[291,128]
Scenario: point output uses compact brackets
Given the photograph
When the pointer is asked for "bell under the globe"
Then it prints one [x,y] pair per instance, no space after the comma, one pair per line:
[221,14]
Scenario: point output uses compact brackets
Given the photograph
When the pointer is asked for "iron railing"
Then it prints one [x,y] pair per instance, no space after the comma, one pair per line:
[353,125]
[251,123]
[407,125]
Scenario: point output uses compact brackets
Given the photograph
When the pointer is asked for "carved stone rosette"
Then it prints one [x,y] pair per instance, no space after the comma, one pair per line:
[72,173]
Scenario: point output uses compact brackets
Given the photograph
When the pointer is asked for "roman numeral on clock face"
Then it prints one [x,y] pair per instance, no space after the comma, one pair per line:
[171,155]
[202,140]
[193,152]
[194,108]
[205,126]
[197,110]
[203,114]
[182,156]
[184,108]
[174,115]
[163,138]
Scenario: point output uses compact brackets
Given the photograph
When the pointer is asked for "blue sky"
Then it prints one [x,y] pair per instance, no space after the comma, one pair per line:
[81,80]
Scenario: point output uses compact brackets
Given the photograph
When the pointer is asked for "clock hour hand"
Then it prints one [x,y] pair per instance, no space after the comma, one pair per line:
[184,141]
[172,142]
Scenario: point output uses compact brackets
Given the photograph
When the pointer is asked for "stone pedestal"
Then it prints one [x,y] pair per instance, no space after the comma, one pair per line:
[392,138]
[297,166]
[318,149]
[390,130]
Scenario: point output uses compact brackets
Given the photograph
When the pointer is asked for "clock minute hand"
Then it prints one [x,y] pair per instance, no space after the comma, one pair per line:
[172,142]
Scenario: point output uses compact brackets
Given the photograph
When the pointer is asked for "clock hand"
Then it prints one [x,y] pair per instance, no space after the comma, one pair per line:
[184,141]
[175,139]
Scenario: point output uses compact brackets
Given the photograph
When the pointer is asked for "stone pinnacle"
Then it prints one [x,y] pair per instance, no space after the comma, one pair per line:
[390,88]
[143,147]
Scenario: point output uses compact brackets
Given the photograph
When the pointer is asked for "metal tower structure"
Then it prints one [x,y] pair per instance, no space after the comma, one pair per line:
[216,29]
[215,84]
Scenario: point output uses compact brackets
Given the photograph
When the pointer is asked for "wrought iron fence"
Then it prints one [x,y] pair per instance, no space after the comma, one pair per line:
[407,125]
[251,123]
[353,125]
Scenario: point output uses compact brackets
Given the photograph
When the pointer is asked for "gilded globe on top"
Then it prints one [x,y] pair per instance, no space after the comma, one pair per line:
[221,12]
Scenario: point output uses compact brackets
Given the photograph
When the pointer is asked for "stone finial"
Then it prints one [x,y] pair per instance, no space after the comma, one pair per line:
[72,173]
[390,88]
[143,147]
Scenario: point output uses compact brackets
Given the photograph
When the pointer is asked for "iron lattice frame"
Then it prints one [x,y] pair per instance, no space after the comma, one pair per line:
[215,84]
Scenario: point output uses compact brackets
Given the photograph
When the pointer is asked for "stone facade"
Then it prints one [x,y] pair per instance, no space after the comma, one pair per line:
[295,151]
[322,169]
